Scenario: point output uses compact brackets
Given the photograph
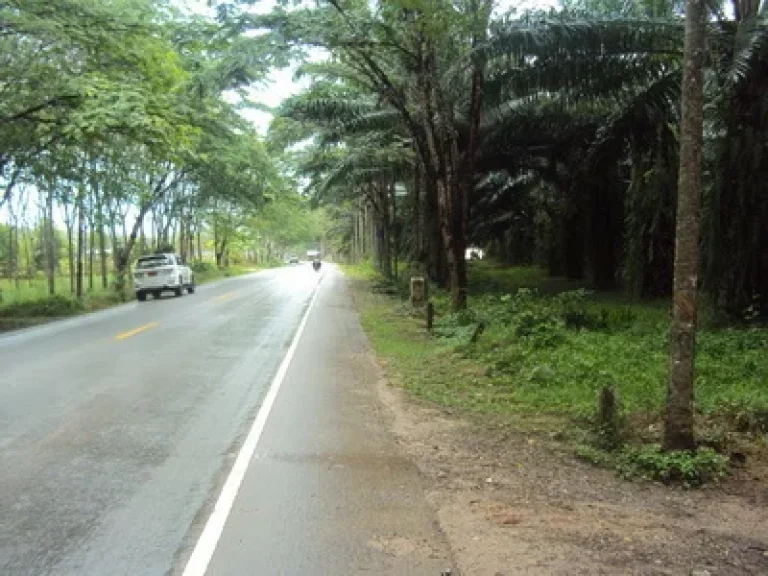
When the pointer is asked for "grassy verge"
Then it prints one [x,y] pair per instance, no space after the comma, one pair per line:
[28,306]
[533,348]
[35,289]
[206,273]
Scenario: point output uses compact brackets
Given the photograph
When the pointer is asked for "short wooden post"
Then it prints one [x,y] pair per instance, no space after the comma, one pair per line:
[430,315]
[418,292]
[609,425]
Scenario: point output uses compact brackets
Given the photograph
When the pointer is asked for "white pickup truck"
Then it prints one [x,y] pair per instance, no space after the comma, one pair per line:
[160,272]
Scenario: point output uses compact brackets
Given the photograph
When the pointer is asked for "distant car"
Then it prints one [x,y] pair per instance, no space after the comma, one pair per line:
[293,260]
[158,273]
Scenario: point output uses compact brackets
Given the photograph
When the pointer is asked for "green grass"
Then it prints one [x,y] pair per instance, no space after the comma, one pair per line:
[30,303]
[209,273]
[362,271]
[549,350]
[37,288]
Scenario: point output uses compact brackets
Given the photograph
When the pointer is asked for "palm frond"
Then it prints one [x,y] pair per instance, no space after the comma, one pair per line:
[639,120]
[549,38]
[325,110]
[751,51]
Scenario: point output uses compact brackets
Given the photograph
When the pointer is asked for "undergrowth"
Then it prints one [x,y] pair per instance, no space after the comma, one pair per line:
[529,344]
[702,466]
[48,307]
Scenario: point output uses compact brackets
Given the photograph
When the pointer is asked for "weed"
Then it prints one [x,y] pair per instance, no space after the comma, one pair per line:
[595,456]
[689,468]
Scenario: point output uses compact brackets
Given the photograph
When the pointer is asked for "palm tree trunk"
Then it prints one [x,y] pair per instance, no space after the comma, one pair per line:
[678,433]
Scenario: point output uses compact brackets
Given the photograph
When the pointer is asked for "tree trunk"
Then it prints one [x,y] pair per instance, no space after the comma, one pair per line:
[605,231]
[395,236]
[383,230]
[11,264]
[434,242]
[573,237]
[91,250]
[418,218]
[113,235]
[50,244]
[182,242]
[123,258]
[103,252]
[443,166]
[28,249]
[172,238]
[199,242]
[216,239]
[69,221]
[678,433]
[80,242]
[17,255]
[480,13]
[191,240]
[221,250]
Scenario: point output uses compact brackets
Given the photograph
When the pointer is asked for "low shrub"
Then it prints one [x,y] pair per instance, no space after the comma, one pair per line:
[48,307]
[202,267]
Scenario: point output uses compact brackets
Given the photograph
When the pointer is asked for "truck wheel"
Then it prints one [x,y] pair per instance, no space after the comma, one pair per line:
[191,285]
[180,290]
[156,294]
[141,296]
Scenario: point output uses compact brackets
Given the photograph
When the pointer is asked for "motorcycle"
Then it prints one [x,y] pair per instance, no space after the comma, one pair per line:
[316,265]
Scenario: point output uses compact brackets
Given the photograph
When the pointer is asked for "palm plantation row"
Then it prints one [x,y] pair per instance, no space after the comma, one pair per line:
[563,151]
[552,139]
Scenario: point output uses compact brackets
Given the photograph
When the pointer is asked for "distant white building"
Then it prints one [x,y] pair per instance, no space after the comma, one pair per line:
[474,253]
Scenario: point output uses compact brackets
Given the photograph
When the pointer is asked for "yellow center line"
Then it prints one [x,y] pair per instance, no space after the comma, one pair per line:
[124,335]
[223,297]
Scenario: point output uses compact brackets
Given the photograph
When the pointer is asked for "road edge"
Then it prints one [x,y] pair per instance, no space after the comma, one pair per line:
[205,547]
[54,325]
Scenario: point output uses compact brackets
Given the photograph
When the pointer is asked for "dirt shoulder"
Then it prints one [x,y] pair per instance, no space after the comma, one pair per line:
[513,501]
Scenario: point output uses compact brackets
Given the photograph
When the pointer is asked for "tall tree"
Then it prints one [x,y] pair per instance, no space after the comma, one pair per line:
[678,433]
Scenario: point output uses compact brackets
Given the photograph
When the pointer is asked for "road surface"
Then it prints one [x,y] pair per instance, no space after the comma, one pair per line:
[119,429]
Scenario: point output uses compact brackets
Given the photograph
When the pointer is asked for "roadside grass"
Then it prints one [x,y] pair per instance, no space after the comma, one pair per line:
[532,347]
[30,304]
[362,271]
[31,289]
[206,272]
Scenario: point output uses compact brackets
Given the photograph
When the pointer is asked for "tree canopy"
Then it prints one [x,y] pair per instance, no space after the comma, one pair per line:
[125,115]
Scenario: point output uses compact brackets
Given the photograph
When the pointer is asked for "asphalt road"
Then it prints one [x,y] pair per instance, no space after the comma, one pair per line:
[329,492]
[118,430]
[116,427]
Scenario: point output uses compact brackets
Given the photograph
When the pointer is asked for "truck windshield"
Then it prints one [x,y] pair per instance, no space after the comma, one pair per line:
[152,262]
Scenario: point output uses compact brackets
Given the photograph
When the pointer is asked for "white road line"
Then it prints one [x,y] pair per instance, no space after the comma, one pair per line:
[209,539]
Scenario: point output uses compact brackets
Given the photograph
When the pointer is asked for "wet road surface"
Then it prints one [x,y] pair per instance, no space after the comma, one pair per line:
[115,427]
[118,429]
